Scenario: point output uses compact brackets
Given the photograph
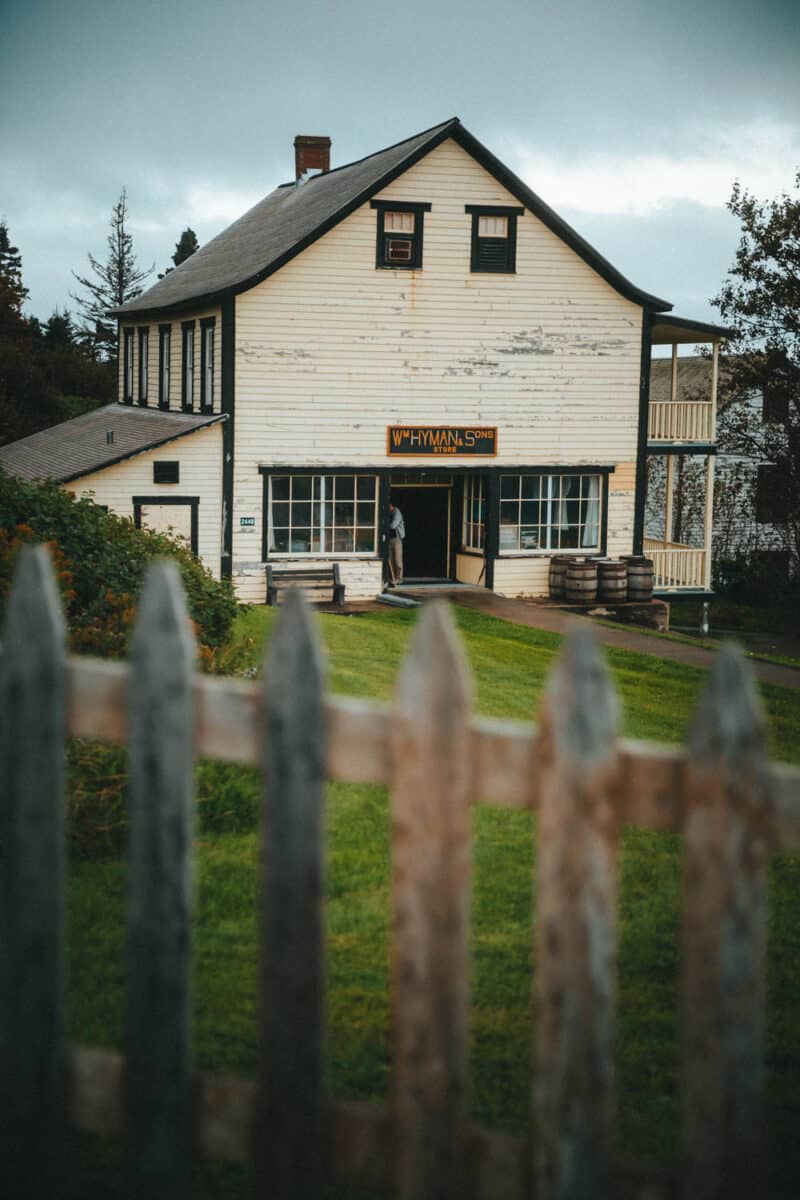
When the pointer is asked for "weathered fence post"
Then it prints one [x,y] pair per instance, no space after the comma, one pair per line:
[576,926]
[431,825]
[290,1144]
[727,840]
[158,1070]
[32,732]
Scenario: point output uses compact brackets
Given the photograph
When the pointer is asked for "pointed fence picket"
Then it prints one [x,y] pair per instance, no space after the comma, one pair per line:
[732,807]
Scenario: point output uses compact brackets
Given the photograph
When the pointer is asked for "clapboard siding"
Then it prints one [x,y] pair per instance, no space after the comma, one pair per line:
[200,458]
[329,350]
[176,359]
[362,577]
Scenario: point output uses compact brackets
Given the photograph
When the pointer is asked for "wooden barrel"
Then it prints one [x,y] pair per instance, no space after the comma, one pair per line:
[640,578]
[558,572]
[581,585]
[612,580]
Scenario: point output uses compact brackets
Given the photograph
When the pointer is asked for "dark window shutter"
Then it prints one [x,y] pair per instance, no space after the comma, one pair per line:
[772,495]
[775,404]
[166,472]
[493,254]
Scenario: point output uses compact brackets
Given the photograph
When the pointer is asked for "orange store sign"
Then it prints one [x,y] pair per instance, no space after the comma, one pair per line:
[440,439]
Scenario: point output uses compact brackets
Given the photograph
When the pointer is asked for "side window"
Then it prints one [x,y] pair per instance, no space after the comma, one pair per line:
[144,341]
[494,239]
[164,354]
[187,366]
[207,364]
[127,366]
[399,234]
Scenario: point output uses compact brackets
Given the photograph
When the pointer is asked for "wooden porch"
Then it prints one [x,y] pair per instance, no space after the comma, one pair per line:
[677,567]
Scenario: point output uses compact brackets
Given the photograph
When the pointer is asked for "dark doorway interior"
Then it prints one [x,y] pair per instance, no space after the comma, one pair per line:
[425,515]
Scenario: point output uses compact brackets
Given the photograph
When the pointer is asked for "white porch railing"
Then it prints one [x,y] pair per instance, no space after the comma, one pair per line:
[676,567]
[681,421]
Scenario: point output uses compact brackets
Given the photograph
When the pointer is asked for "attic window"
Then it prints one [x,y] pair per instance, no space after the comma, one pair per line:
[399,243]
[494,239]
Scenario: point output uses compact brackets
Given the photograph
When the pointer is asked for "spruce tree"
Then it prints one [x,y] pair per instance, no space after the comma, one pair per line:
[115,281]
[13,293]
[185,247]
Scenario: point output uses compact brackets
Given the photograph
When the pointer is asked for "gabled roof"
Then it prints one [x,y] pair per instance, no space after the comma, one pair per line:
[80,446]
[291,218]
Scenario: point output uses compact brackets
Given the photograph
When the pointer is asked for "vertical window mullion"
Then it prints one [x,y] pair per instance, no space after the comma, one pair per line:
[549,512]
[322,541]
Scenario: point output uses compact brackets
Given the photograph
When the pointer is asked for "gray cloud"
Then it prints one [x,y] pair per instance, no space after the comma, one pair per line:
[194,107]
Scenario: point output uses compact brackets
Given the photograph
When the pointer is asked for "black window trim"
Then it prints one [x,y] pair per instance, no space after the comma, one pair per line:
[186,328]
[127,364]
[140,502]
[163,400]
[419,208]
[476,211]
[206,402]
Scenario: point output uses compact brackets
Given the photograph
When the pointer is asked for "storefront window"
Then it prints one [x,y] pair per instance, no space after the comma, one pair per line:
[474,513]
[323,514]
[549,512]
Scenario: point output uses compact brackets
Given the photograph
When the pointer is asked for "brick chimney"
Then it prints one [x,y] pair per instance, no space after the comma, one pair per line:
[311,154]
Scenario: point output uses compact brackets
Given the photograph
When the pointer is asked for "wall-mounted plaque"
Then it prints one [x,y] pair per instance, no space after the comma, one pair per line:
[440,440]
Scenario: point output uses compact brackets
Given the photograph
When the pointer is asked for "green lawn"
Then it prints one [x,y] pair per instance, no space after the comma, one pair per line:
[510,665]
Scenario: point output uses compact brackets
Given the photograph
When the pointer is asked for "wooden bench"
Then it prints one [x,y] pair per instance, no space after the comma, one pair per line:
[308,580]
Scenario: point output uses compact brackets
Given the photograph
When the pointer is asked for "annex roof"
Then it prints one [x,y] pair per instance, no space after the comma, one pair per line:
[292,217]
[669,330]
[81,446]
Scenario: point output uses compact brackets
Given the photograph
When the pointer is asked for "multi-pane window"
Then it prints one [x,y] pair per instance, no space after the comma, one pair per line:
[164,353]
[187,372]
[549,512]
[474,513]
[399,241]
[494,239]
[399,234]
[207,364]
[127,366]
[323,514]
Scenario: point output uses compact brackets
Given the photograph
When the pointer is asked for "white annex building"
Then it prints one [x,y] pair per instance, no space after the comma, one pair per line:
[416,327]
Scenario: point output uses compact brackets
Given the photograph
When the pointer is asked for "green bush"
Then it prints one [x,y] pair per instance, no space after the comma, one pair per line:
[100,561]
[227,799]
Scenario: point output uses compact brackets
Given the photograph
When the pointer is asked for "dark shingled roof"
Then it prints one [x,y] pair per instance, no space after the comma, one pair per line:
[80,446]
[291,218]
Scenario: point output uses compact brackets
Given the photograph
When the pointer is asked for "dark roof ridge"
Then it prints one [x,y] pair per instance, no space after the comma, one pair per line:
[384,150]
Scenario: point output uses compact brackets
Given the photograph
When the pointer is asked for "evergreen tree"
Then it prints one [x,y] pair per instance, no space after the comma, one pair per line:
[12,292]
[185,247]
[760,302]
[115,281]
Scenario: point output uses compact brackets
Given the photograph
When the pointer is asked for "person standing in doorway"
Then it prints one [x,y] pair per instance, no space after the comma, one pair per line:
[397,532]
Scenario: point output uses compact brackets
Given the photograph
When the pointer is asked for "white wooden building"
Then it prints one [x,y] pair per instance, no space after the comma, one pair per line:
[419,327]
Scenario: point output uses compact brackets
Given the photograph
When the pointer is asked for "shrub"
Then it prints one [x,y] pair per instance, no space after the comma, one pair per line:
[100,561]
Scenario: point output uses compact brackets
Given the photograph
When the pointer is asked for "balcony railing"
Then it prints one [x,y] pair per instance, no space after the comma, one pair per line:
[681,421]
[676,567]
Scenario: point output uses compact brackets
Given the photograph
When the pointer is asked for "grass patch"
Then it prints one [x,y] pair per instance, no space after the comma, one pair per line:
[510,664]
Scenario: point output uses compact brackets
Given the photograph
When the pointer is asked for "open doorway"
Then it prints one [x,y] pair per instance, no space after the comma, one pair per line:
[426,515]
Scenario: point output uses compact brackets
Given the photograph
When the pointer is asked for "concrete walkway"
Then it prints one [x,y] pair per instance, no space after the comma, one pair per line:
[555,620]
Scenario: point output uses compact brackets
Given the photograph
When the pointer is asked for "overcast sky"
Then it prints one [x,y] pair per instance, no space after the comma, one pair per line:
[631,118]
